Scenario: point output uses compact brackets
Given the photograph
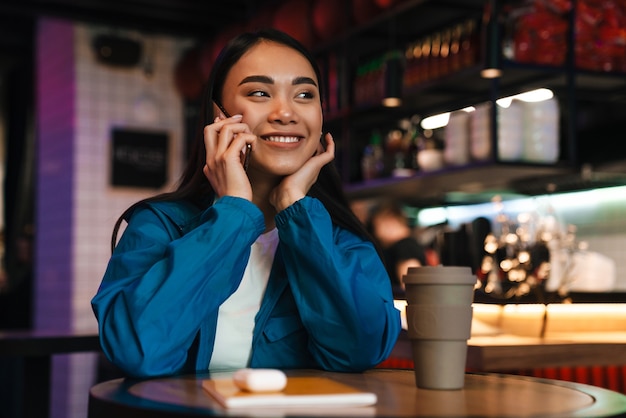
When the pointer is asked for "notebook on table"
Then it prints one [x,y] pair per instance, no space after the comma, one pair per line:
[300,392]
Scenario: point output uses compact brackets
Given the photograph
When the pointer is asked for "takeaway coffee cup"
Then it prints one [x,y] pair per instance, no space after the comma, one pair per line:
[439,319]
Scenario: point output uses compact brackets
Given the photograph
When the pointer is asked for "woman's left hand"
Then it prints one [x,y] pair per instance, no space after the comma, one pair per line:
[295,186]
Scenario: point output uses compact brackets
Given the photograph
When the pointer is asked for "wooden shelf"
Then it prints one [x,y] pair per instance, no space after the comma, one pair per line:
[424,189]
[591,108]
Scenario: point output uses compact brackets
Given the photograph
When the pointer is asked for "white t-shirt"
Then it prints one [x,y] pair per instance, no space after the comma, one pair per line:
[235,320]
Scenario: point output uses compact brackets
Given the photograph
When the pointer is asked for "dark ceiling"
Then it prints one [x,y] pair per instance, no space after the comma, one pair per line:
[200,19]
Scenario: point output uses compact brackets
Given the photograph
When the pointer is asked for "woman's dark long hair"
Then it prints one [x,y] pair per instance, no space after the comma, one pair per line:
[194,186]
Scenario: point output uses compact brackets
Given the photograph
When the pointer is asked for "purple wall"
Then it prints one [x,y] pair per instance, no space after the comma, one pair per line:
[55,125]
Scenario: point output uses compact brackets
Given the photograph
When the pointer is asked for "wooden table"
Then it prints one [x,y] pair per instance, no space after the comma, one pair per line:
[506,352]
[35,349]
[484,394]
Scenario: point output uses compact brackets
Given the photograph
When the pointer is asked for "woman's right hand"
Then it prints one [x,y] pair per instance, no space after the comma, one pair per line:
[295,186]
[224,141]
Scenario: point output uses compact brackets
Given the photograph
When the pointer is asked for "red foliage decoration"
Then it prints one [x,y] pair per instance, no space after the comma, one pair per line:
[294,18]
[329,18]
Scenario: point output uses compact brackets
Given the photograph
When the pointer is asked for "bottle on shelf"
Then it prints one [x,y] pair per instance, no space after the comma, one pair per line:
[413,140]
[455,49]
[399,145]
[470,44]
[372,163]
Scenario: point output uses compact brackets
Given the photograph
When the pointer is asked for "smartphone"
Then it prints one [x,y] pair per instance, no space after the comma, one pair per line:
[246,158]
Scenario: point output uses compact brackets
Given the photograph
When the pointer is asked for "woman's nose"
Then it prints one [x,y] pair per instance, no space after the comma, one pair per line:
[283,112]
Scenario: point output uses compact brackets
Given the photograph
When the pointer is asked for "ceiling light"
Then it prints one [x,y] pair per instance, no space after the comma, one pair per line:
[393,80]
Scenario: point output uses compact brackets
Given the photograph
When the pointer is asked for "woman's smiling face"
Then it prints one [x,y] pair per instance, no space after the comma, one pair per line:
[276,90]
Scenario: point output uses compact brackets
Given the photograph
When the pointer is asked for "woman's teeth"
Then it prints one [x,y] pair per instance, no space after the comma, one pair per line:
[282,138]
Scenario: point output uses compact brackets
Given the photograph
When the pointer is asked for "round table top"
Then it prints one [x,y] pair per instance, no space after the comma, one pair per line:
[484,394]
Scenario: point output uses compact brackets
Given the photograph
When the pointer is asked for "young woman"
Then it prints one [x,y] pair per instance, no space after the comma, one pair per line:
[255,260]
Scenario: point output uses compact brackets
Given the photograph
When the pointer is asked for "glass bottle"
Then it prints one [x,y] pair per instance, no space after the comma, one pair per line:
[372,163]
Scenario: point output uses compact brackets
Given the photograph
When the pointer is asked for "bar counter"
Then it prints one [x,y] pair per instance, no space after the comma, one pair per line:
[579,342]
[504,352]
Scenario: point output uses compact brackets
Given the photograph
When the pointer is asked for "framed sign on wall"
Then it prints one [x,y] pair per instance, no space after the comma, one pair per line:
[139,158]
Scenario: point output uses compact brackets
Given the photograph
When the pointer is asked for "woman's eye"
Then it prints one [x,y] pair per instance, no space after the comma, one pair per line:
[258,93]
[306,95]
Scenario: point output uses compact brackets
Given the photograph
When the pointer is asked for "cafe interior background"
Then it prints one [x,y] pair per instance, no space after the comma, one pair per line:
[73,119]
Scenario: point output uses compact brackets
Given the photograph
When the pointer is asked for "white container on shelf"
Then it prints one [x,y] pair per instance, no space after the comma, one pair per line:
[480,132]
[456,137]
[430,159]
[510,131]
[541,131]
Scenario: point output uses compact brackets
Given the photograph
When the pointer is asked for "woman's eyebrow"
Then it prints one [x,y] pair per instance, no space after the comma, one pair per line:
[268,80]
[257,79]
[304,80]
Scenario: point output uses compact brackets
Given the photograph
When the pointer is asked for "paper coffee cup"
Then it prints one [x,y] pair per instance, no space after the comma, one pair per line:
[439,322]
[439,364]
[439,319]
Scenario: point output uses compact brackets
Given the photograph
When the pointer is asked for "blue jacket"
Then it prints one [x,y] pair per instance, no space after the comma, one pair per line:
[328,302]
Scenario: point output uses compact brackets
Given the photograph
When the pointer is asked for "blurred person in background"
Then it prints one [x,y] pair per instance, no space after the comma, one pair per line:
[389,225]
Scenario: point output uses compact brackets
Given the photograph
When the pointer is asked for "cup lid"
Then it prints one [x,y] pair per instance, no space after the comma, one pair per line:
[440,270]
[440,274]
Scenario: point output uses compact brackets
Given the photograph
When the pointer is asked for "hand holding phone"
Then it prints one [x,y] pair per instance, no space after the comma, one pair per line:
[225,140]
[248,151]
